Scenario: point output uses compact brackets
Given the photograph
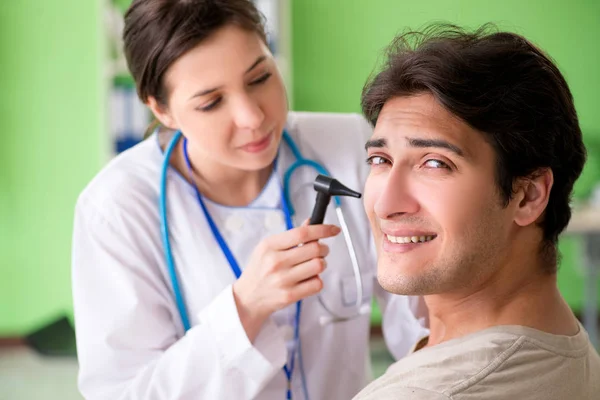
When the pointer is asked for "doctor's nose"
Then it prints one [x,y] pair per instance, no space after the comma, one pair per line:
[394,197]
[247,113]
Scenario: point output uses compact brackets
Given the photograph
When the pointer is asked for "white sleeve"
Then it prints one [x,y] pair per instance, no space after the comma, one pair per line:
[128,341]
[404,318]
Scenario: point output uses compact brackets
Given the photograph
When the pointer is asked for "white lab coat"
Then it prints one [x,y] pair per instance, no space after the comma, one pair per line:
[130,339]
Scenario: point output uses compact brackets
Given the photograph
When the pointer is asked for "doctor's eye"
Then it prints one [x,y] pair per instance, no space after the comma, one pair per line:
[210,106]
[435,164]
[262,79]
[377,160]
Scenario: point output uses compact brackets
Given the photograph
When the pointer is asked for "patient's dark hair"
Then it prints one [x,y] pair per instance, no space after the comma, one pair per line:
[158,32]
[503,86]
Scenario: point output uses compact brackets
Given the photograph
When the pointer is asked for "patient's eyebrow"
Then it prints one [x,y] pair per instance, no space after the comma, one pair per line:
[379,143]
[419,143]
[438,143]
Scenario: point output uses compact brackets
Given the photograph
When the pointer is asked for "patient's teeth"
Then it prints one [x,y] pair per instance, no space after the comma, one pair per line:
[409,239]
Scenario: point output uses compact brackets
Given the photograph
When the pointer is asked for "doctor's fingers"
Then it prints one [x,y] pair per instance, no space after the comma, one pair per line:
[298,255]
[306,270]
[302,290]
[301,235]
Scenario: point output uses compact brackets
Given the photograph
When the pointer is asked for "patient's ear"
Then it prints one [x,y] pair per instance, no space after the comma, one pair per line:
[161,113]
[532,195]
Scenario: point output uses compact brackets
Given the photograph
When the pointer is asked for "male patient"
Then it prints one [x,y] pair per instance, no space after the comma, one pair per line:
[473,158]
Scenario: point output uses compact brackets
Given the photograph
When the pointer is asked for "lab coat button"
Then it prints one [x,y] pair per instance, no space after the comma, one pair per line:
[234,223]
[273,221]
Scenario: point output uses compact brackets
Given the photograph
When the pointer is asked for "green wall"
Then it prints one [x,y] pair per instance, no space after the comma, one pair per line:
[336,44]
[52,109]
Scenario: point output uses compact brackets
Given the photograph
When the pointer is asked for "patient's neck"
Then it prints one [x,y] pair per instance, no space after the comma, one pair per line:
[518,293]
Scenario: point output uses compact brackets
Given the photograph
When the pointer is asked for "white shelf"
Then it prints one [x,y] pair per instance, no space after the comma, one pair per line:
[585,220]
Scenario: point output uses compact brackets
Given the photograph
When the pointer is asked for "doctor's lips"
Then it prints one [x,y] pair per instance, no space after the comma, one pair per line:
[258,145]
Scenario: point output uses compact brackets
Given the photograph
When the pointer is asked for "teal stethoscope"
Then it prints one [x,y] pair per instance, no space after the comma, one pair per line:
[288,211]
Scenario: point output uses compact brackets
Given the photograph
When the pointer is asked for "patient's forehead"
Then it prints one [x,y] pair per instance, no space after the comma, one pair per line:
[423,117]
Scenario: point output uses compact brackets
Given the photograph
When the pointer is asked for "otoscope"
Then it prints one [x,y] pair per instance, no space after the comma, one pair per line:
[327,187]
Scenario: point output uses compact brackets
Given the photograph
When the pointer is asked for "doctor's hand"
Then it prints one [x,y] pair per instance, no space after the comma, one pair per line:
[283,269]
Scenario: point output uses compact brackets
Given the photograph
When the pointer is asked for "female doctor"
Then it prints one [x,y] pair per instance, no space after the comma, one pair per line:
[204,69]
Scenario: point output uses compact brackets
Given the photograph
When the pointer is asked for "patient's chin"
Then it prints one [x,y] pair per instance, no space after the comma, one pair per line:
[410,284]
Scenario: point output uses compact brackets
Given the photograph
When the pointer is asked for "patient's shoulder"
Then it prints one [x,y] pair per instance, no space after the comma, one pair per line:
[498,363]
[399,392]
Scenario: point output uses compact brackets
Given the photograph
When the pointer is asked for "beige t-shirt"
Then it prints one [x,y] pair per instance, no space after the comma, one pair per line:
[499,363]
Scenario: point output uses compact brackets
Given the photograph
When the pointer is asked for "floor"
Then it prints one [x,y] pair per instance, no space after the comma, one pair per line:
[25,375]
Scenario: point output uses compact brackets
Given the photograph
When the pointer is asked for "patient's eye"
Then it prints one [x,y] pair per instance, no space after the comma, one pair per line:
[434,163]
[377,160]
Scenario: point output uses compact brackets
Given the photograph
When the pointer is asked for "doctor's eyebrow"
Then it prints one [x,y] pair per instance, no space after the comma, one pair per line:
[419,143]
[204,92]
[255,64]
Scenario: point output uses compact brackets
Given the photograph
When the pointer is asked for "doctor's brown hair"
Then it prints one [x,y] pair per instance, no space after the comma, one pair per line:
[158,32]
[506,88]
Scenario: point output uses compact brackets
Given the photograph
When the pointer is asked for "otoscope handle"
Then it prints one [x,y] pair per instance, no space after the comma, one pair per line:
[318,214]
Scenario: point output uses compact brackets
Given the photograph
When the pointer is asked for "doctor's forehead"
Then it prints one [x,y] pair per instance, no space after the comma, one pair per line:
[420,119]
